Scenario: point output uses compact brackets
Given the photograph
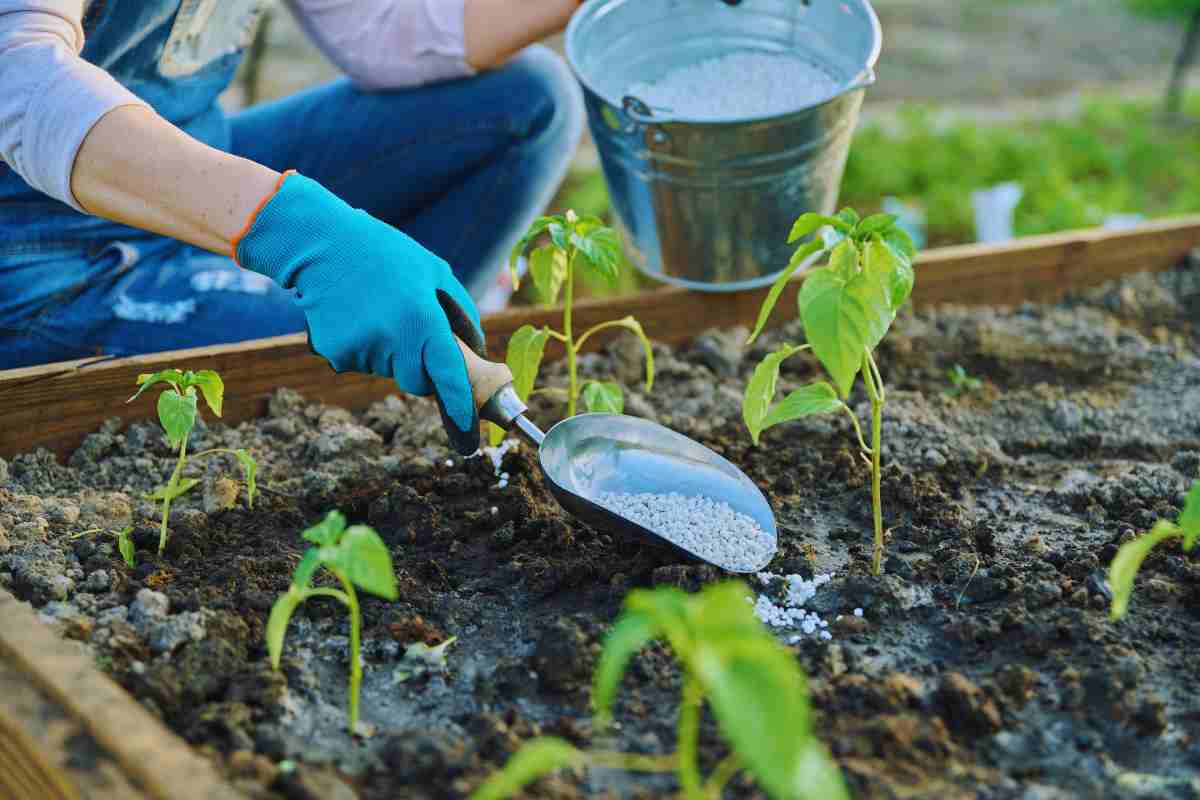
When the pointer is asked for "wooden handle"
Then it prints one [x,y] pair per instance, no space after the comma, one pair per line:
[487,377]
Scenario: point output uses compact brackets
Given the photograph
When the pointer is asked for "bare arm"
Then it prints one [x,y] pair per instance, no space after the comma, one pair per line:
[136,168]
[496,29]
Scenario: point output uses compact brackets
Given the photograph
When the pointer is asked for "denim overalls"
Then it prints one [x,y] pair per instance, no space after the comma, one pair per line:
[460,166]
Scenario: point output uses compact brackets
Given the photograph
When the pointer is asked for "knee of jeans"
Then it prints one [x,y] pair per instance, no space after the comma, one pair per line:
[550,97]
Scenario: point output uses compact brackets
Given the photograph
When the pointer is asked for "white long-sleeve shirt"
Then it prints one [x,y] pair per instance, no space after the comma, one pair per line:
[50,97]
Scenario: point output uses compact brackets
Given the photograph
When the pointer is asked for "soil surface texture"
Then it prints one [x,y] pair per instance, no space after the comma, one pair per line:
[984,664]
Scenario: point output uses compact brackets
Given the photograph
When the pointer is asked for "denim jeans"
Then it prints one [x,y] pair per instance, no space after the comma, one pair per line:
[463,167]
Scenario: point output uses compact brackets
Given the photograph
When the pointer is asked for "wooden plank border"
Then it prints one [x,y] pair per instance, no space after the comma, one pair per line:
[154,760]
[56,405]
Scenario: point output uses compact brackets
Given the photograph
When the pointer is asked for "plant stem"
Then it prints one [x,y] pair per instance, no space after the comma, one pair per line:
[688,735]
[351,601]
[862,443]
[171,484]
[632,762]
[721,775]
[869,373]
[569,343]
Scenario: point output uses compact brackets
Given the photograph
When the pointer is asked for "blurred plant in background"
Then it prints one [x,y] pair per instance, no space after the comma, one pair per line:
[1188,10]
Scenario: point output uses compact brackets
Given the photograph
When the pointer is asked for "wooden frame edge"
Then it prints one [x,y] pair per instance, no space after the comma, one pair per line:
[56,405]
[154,758]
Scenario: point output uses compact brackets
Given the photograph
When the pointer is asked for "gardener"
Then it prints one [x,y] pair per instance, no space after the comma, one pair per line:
[124,178]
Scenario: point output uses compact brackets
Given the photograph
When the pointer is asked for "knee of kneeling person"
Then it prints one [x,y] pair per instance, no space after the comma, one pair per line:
[546,91]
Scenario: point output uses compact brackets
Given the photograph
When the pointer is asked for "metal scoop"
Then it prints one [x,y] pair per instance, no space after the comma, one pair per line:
[585,456]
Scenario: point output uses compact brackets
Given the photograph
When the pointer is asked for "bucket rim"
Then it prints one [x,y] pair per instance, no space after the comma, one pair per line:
[862,80]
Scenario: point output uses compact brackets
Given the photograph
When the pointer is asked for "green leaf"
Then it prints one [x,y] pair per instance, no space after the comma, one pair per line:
[536,759]
[876,223]
[843,320]
[601,251]
[844,260]
[1128,561]
[181,488]
[668,607]
[901,243]
[560,235]
[810,223]
[277,623]
[802,252]
[757,694]
[603,397]
[310,562]
[760,391]
[536,229]
[125,546]
[822,779]
[212,387]
[524,358]
[177,413]
[629,635]
[1189,520]
[893,274]
[148,379]
[548,268]
[249,470]
[365,561]
[495,434]
[850,217]
[326,532]
[816,398]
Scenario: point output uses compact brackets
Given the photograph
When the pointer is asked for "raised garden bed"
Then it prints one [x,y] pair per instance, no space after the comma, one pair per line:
[983,664]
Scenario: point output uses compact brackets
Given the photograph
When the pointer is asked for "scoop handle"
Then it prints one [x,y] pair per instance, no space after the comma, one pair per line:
[491,386]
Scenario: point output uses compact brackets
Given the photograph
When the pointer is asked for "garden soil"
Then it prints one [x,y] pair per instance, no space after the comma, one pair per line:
[984,665]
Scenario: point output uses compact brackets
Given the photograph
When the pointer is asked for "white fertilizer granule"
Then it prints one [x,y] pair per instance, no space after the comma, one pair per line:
[792,614]
[708,528]
[740,84]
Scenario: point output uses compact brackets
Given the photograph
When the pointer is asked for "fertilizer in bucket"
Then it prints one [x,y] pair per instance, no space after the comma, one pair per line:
[738,84]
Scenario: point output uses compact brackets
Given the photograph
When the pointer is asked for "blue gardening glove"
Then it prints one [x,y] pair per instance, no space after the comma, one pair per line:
[375,300]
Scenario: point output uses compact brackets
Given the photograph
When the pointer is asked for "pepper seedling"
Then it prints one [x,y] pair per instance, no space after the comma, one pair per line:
[1129,558]
[847,308]
[177,413]
[961,382]
[355,556]
[572,243]
[752,684]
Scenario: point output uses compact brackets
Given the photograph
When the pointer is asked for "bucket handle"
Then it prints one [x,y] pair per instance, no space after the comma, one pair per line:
[637,110]
[865,80]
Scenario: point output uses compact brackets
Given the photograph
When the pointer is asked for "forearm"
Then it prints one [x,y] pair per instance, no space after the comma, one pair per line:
[496,29]
[138,169]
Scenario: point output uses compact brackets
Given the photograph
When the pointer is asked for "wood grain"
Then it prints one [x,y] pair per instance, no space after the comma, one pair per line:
[56,405]
[51,689]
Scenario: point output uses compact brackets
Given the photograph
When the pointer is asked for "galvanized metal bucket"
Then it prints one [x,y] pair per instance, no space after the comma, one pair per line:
[708,203]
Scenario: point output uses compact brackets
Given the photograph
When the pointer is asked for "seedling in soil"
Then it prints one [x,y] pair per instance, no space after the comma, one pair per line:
[572,243]
[124,543]
[356,556]
[847,308]
[177,413]
[1129,558]
[753,685]
[961,382]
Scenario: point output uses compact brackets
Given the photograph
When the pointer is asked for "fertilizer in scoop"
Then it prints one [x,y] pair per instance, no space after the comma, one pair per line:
[709,528]
[740,84]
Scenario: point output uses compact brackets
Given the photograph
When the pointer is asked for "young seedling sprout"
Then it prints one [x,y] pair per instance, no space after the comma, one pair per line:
[753,685]
[847,308]
[1129,558]
[355,556]
[960,381]
[177,413]
[573,243]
